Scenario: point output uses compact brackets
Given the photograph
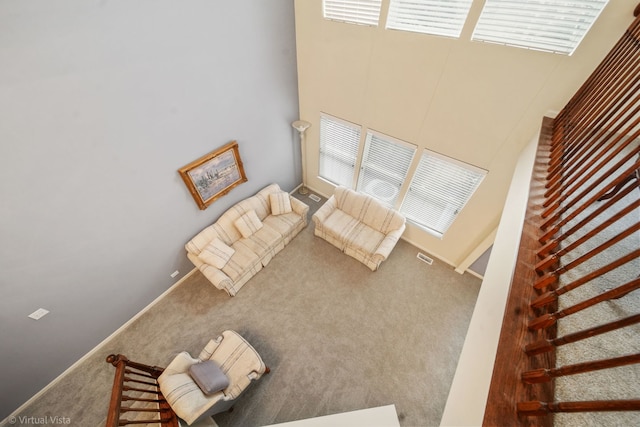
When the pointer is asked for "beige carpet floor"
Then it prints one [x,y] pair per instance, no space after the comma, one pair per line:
[336,336]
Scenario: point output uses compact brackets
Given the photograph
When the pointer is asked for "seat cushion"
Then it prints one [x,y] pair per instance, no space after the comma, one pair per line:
[242,261]
[285,224]
[266,242]
[339,224]
[363,238]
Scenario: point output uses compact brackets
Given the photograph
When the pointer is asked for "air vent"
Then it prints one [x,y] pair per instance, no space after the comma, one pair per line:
[422,257]
[314,198]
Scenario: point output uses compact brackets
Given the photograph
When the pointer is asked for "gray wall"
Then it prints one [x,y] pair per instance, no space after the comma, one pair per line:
[100,103]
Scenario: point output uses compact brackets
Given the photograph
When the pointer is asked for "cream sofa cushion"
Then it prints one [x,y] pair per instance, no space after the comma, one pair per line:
[248,224]
[216,253]
[280,203]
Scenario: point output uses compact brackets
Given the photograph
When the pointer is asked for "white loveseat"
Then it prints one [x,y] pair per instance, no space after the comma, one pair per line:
[359,225]
[246,237]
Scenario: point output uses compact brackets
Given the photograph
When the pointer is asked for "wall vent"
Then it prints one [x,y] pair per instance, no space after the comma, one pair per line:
[422,257]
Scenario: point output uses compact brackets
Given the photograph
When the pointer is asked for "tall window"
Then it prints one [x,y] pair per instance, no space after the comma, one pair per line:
[439,17]
[338,150]
[439,190]
[384,167]
[365,12]
[549,25]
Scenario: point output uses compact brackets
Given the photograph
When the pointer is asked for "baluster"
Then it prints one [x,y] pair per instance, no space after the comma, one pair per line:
[549,319]
[551,296]
[552,244]
[537,408]
[552,259]
[564,141]
[590,167]
[598,136]
[621,177]
[552,277]
[546,345]
[544,375]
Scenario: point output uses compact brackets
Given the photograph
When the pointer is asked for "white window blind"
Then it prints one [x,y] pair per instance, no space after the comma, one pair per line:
[439,190]
[384,167]
[439,17]
[365,12]
[549,25]
[338,150]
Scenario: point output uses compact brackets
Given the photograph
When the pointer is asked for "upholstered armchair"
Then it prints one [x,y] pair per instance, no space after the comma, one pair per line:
[233,355]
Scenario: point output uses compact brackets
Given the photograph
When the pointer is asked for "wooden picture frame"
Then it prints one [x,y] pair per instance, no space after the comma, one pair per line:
[214,175]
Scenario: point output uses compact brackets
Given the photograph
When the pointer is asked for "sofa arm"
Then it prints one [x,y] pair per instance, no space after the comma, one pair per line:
[387,245]
[216,276]
[325,210]
[300,208]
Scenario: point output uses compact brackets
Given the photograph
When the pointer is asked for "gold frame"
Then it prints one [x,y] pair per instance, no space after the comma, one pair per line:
[214,175]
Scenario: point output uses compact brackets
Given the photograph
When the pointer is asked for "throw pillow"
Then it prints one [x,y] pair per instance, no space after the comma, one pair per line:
[248,224]
[280,203]
[216,253]
[209,377]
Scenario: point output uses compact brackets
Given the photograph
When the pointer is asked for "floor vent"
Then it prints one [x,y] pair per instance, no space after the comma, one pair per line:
[422,257]
[314,198]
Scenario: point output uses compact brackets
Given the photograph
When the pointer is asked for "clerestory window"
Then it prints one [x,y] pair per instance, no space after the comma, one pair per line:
[438,17]
[364,12]
[556,26]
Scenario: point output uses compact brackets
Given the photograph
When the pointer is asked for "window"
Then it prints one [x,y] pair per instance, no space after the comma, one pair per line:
[550,25]
[439,190]
[338,150]
[365,12]
[439,17]
[384,167]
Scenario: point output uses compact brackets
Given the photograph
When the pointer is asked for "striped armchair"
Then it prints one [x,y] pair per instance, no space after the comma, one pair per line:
[235,357]
[359,225]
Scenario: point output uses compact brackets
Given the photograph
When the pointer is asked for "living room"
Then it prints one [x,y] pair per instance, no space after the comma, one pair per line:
[96,91]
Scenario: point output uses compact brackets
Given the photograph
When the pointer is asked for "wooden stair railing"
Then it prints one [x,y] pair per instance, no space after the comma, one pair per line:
[136,394]
[584,204]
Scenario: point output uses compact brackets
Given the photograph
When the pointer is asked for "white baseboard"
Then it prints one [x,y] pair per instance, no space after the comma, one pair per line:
[15,413]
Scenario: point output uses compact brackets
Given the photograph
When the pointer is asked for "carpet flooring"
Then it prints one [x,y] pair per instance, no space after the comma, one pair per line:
[337,337]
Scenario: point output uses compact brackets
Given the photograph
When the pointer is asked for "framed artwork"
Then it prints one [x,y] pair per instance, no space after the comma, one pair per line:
[214,175]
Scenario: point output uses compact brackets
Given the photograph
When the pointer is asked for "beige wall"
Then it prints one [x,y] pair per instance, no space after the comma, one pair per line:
[476,102]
